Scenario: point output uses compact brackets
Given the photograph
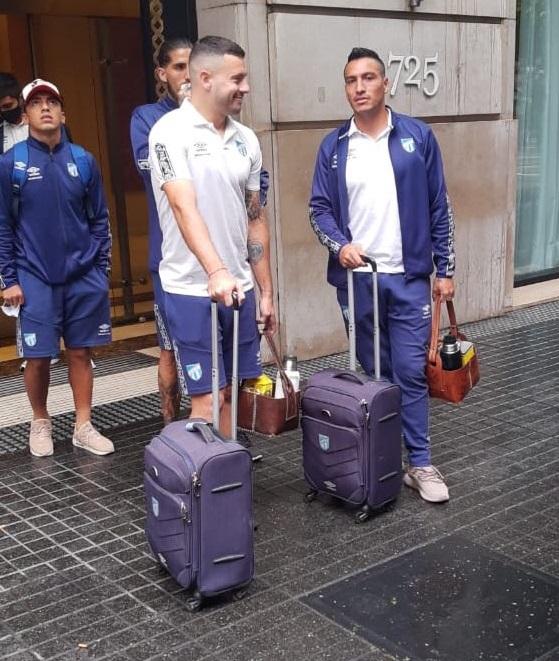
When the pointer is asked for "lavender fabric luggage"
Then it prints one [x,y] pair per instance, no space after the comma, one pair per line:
[352,428]
[198,495]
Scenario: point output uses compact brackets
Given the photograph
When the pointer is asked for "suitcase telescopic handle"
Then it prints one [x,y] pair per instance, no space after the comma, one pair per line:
[351,318]
[215,366]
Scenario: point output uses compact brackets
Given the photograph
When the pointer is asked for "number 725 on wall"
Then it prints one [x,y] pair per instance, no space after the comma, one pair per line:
[428,82]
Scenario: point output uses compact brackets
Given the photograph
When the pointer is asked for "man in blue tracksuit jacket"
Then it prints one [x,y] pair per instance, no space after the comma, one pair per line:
[54,262]
[173,72]
[379,190]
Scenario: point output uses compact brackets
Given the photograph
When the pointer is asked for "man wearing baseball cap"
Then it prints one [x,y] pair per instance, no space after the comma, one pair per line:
[54,261]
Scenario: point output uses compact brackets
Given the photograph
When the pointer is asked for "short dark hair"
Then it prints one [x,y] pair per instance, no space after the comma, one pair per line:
[219,46]
[9,85]
[167,47]
[359,53]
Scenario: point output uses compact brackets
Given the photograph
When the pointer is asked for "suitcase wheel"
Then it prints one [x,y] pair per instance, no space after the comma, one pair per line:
[194,602]
[362,515]
[310,496]
[240,594]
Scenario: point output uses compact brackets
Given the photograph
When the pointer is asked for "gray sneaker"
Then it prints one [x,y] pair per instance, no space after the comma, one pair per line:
[40,438]
[429,482]
[88,438]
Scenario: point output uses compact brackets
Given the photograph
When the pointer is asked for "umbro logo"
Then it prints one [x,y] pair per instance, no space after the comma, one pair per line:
[34,173]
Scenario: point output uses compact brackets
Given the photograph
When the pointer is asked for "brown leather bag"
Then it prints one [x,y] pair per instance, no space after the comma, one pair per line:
[265,414]
[450,385]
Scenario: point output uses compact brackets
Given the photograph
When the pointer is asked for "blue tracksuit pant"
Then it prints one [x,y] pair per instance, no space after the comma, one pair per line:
[405,326]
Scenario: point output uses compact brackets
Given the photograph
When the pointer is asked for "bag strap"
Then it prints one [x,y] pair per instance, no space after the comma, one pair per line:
[436,325]
[288,389]
[19,174]
[79,156]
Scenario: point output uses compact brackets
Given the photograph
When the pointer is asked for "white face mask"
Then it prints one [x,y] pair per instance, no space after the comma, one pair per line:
[10,310]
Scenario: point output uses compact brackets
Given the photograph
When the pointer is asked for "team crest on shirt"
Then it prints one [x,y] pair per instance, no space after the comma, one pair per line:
[30,339]
[241,147]
[72,169]
[194,371]
[408,144]
[164,161]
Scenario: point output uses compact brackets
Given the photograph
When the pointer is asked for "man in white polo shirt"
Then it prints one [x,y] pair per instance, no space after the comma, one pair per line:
[379,190]
[205,170]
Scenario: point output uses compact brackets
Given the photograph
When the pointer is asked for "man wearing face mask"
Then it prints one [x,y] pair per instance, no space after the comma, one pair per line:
[12,128]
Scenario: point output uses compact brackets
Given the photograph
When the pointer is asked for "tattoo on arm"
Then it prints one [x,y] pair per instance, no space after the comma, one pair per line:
[255,252]
[252,200]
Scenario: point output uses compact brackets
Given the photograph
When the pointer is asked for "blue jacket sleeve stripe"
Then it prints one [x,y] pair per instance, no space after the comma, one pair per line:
[322,211]
[442,216]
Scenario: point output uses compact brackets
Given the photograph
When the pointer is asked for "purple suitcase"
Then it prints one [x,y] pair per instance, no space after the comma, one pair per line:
[352,428]
[198,495]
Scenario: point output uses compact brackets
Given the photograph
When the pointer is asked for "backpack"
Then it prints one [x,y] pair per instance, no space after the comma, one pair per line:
[19,174]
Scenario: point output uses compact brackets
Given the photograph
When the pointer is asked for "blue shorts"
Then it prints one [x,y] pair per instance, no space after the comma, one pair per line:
[78,312]
[190,323]
[161,323]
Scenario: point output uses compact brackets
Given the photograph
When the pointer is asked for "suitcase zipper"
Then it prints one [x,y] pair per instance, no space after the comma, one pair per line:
[184,513]
[196,483]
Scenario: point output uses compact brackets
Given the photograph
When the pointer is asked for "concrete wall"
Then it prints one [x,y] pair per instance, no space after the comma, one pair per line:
[296,51]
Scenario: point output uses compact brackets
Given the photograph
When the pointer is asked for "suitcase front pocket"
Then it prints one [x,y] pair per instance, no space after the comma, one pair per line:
[333,459]
[168,529]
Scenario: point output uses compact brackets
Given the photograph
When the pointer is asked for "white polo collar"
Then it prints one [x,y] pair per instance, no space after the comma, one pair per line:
[199,120]
[354,129]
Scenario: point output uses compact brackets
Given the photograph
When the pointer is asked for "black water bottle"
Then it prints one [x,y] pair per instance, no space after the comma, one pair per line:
[451,357]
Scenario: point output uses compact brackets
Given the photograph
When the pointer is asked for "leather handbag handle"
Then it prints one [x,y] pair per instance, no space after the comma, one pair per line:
[288,389]
[436,325]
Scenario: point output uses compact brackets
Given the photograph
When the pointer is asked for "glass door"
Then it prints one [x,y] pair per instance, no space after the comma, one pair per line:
[537,110]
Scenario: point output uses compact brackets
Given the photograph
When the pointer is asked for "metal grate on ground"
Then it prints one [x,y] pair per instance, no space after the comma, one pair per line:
[114,364]
[511,320]
[108,417]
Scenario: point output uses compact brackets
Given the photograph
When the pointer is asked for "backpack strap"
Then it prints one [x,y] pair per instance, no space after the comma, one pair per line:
[19,174]
[79,155]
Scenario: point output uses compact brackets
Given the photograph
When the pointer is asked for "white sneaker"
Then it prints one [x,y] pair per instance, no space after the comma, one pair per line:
[429,482]
[40,438]
[88,438]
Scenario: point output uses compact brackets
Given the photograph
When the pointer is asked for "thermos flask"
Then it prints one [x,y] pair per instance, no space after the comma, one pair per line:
[451,356]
